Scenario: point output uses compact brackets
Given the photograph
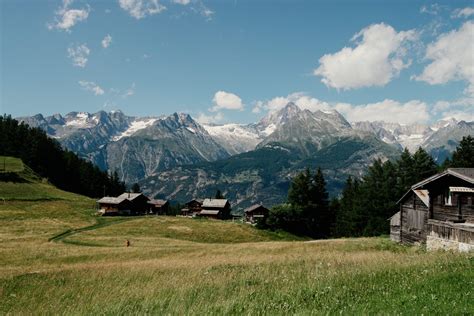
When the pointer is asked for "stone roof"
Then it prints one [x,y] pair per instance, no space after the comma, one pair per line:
[253,208]
[221,203]
[129,196]
[111,200]
[209,212]
[158,202]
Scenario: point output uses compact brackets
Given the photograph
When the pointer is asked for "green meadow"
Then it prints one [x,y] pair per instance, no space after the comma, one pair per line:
[58,257]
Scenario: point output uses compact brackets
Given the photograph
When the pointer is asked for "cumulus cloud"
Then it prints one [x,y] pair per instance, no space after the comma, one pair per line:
[141,8]
[413,111]
[207,119]
[226,100]
[459,116]
[463,13]
[460,109]
[66,18]
[451,58]
[106,41]
[92,87]
[79,55]
[379,55]
[299,98]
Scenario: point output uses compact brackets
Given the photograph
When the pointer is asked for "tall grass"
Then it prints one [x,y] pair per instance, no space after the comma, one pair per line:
[184,266]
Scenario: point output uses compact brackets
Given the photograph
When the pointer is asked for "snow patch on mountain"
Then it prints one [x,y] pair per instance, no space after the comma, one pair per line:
[135,126]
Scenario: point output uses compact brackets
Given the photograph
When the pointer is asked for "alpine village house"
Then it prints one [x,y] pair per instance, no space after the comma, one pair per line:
[438,212]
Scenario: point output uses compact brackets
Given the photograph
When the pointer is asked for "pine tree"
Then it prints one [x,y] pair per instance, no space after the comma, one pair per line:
[424,165]
[136,188]
[219,195]
[463,156]
[299,192]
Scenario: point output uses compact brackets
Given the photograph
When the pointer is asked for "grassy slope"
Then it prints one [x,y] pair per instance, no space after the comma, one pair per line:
[178,265]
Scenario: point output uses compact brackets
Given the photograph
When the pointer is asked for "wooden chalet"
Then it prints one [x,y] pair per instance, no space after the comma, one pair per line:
[192,208]
[158,207]
[114,206]
[139,202]
[215,208]
[256,213]
[438,212]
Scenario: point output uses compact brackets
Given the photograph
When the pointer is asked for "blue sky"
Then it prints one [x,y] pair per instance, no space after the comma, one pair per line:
[233,61]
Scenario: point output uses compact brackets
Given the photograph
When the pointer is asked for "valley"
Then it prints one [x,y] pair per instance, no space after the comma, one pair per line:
[175,157]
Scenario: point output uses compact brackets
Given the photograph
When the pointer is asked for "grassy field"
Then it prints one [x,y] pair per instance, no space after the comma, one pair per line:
[57,257]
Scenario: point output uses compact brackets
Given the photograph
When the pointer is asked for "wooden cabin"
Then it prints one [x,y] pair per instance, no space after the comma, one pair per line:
[139,202]
[158,207]
[256,213]
[215,208]
[109,206]
[192,208]
[439,211]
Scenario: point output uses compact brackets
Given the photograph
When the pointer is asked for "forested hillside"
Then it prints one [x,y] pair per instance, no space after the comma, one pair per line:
[365,204]
[61,167]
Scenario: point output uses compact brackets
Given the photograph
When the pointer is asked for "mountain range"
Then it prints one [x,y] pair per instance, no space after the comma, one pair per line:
[177,158]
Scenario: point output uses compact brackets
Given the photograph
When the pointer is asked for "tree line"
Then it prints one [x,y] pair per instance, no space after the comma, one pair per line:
[48,159]
[365,204]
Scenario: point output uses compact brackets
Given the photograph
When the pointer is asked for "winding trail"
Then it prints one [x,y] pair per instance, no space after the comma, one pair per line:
[100,222]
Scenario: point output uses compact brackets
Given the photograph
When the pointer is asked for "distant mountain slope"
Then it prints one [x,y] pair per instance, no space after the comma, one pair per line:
[264,175]
[134,147]
[173,141]
[142,147]
[439,139]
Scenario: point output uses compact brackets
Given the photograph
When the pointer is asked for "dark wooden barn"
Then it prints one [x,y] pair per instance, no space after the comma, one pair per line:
[158,207]
[256,213]
[439,211]
[114,206]
[192,208]
[139,202]
[215,208]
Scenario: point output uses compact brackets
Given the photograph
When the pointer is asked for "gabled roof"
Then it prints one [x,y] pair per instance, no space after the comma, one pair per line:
[253,208]
[424,196]
[209,212]
[196,200]
[157,202]
[466,174]
[111,200]
[214,203]
[130,196]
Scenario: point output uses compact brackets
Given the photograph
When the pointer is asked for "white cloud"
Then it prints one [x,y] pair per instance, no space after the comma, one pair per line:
[129,92]
[106,41]
[463,13]
[182,2]
[299,98]
[227,101]
[433,9]
[461,109]
[92,87]
[79,55]
[377,57]
[66,18]
[141,8]
[413,111]
[206,119]
[459,115]
[451,58]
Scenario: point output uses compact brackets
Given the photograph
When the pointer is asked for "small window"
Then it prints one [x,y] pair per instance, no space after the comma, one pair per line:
[448,198]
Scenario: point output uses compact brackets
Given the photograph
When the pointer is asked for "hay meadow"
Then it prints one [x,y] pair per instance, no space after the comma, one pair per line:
[57,257]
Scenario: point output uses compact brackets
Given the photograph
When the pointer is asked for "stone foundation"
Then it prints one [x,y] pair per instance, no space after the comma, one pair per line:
[436,243]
